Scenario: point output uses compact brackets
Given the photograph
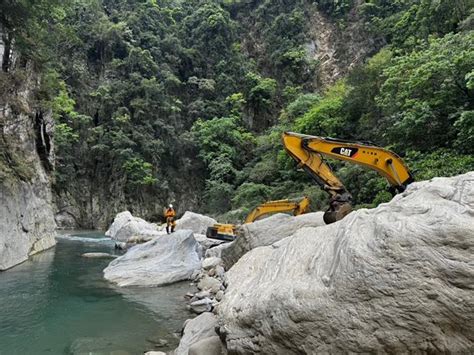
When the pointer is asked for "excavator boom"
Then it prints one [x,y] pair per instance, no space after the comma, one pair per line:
[308,151]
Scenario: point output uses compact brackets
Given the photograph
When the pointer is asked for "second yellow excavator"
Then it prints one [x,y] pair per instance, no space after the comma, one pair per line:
[308,152]
[228,231]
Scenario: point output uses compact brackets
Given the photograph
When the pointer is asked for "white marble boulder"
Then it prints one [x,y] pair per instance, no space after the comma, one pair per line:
[266,232]
[164,260]
[395,279]
[202,328]
[127,227]
[196,222]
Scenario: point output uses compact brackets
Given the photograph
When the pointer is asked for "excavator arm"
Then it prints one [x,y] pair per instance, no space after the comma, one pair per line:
[313,163]
[308,152]
[295,206]
[227,231]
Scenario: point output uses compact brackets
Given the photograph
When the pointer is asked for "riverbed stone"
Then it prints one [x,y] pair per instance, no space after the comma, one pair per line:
[99,255]
[220,272]
[196,222]
[211,262]
[207,346]
[216,251]
[125,226]
[203,305]
[219,295]
[163,260]
[210,284]
[206,243]
[394,279]
[201,327]
[266,232]
[202,294]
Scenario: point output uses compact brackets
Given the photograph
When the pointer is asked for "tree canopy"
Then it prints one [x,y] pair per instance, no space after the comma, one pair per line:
[186,100]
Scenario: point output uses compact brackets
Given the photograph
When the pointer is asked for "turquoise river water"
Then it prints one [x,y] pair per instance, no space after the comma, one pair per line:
[59,303]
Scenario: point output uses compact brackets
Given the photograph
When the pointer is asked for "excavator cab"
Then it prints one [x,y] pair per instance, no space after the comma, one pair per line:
[227,232]
[222,231]
[308,152]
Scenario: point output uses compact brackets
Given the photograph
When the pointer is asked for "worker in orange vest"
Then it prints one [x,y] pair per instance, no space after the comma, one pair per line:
[170,214]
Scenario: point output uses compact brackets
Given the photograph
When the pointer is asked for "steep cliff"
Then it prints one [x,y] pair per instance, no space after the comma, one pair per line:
[26,162]
[339,49]
[93,202]
[260,52]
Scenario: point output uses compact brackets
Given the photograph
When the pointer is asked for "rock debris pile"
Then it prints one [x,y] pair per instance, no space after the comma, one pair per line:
[211,282]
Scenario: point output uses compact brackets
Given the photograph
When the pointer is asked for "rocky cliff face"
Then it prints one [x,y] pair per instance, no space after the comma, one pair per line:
[94,202]
[338,46]
[26,162]
[337,49]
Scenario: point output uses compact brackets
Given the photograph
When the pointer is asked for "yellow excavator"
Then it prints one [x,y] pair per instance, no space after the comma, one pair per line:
[308,151]
[227,232]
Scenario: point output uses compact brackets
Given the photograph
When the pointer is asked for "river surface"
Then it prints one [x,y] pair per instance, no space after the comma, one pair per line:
[59,303]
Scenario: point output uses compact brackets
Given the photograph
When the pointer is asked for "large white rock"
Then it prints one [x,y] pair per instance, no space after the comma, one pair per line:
[266,232]
[395,279]
[209,283]
[210,263]
[207,346]
[126,226]
[216,251]
[200,306]
[197,329]
[196,222]
[163,260]
[207,243]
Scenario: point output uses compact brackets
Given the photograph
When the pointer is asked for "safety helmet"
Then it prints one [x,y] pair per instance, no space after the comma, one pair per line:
[171,206]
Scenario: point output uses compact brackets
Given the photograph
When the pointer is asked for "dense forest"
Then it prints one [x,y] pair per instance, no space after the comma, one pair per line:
[159,101]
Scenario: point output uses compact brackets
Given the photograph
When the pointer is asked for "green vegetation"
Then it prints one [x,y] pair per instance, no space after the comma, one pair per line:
[159,100]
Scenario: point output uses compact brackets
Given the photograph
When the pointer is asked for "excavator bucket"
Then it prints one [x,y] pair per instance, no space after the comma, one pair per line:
[334,216]
[329,217]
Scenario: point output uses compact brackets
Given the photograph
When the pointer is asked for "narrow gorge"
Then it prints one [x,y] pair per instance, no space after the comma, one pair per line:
[208,177]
